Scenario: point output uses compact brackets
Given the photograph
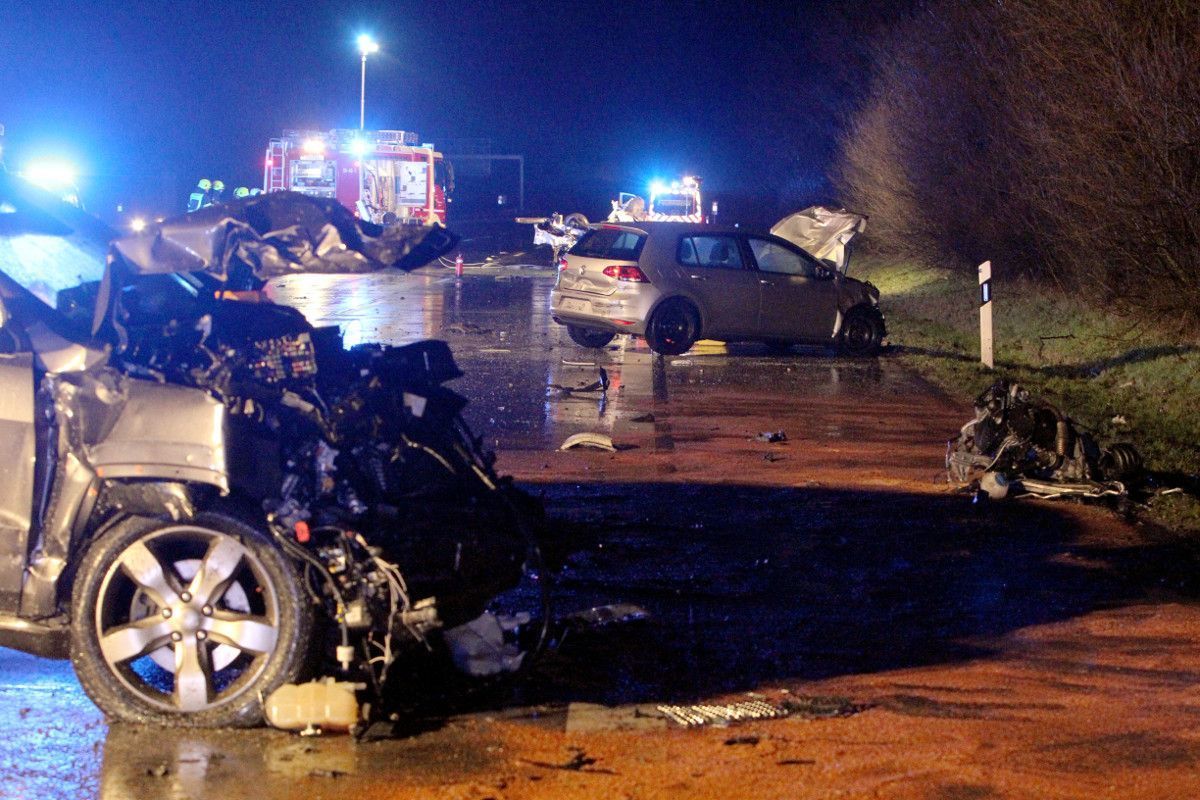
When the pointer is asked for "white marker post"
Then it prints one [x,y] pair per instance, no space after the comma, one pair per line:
[985,315]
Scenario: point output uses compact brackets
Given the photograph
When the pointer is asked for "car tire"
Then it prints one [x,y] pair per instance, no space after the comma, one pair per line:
[134,625]
[575,220]
[589,337]
[862,332]
[673,327]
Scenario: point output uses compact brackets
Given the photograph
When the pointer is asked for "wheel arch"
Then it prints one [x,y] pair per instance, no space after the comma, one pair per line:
[863,306]
[177,502]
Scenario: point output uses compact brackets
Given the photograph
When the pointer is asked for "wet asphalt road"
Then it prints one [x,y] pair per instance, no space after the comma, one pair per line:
[831,565]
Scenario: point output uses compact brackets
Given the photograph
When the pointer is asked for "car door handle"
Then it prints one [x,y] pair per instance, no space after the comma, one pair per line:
[766,283]
[698,277]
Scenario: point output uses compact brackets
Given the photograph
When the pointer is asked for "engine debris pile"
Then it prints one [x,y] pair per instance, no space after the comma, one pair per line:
[1021,445]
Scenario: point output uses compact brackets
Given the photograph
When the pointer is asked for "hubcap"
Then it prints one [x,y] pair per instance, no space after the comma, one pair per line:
[674,326]
[187,618]
[858,333]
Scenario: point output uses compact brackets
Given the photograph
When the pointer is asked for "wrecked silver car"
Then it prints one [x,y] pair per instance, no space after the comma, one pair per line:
[206,498]
[675,283]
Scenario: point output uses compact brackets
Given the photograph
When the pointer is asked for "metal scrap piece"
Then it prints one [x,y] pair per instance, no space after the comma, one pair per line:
[706,714]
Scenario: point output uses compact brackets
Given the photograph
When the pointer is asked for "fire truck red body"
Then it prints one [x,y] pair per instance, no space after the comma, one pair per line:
[382,176]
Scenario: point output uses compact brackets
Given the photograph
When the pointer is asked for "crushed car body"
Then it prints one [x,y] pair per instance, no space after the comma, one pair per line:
[1018,444]
[824,232]
[206,498]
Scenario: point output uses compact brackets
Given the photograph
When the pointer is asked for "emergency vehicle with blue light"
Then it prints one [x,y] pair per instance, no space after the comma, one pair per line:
[384,177]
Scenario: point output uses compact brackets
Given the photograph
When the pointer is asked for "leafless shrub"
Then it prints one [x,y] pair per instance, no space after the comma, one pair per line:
[1057,137]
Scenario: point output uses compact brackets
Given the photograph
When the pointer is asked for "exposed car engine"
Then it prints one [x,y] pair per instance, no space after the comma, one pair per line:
[359,459]
[1016,438]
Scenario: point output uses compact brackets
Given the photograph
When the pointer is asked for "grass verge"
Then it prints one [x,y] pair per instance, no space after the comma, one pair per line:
[1123,381]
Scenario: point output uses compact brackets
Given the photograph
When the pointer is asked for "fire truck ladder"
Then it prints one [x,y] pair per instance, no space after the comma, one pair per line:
[273,170]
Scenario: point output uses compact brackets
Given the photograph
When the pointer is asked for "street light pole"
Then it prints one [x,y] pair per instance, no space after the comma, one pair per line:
[366,46]
[362,95]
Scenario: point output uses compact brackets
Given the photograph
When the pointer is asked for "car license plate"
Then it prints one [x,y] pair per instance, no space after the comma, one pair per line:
[575,306]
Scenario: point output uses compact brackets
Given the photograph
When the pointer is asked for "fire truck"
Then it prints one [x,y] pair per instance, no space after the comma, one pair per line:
[383,176]
[678,201]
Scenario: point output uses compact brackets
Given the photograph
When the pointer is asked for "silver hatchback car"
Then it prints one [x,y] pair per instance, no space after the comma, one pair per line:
[675,283]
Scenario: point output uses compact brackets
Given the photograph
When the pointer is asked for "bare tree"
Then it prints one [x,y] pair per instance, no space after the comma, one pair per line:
[1059,137]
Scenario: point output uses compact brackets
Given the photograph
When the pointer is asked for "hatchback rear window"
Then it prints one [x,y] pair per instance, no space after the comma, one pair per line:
[612,243]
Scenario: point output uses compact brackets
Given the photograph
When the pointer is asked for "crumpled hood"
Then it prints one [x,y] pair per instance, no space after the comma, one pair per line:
[277,234]
[823,232]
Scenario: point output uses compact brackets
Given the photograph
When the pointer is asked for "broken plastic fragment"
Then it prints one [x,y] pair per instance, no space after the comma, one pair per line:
[481,647]
[994,484]
[600,616]
[597,441]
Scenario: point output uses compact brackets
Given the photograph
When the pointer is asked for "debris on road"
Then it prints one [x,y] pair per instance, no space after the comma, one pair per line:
[601,616]
[326,773]
[736,740]
[821,707]
[466,329]
[487,645]
[596,441]
[1019,445]
[598,385]
[772,436]
[577,763]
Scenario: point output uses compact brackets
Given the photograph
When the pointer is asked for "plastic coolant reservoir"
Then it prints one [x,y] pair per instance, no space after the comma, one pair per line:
[326,704]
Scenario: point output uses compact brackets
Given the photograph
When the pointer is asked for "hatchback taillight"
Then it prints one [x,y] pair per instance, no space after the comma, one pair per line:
[626,273]
[562,264]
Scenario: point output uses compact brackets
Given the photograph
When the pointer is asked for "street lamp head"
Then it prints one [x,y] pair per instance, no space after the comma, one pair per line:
[367,45]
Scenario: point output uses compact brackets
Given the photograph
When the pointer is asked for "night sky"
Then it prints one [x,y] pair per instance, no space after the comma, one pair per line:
[149,97]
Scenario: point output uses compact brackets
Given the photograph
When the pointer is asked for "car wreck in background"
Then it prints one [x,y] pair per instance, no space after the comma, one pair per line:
[206,498]
[679,201]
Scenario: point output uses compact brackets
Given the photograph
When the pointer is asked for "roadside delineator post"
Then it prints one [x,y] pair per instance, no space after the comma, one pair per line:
[985,315]
[458,266]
